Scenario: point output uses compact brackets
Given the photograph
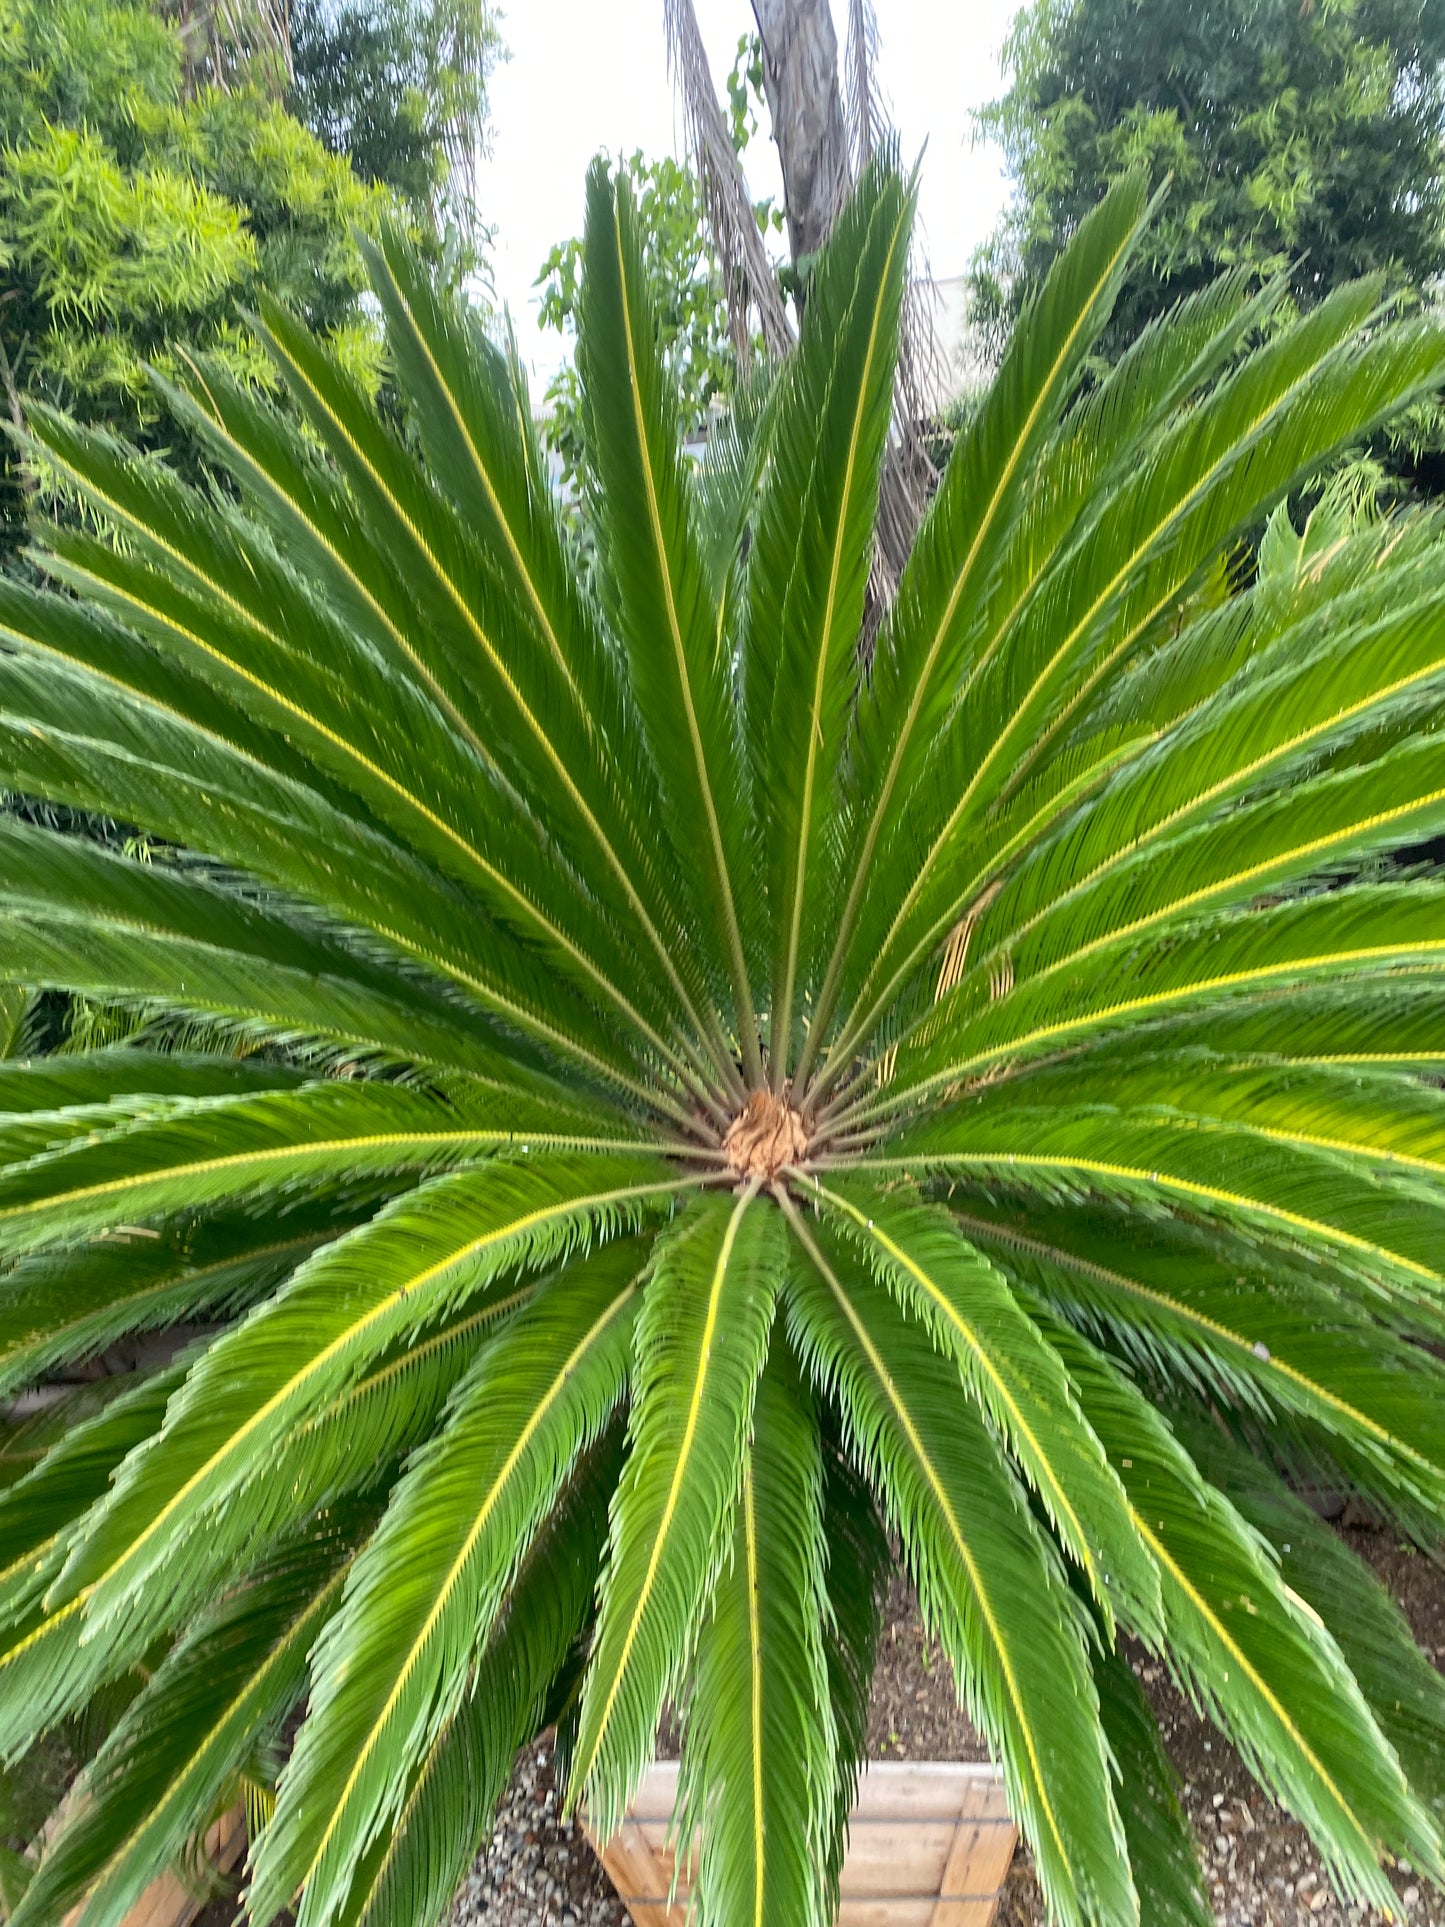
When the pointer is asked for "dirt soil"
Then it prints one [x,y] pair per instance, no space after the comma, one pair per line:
[1262,1870]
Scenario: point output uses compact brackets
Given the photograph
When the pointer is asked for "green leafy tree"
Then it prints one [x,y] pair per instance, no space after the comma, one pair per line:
[135,215]
[1302,138]
[399,88]
[739,1117]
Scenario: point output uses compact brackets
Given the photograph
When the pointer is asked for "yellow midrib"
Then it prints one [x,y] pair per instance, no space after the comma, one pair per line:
[1136,1288]
[488,1315]
[916,1446]
[515,1229]
[679,1473]
[971,1339]
[449,1583]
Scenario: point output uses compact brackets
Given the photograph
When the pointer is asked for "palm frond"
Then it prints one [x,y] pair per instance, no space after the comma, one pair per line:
[656,581]
[701,1339]
[759,1752]
[1270,1337]
[992,1591]
[919,1254]
[809,571]
[1404,1690]
[412,1871]
[393,1665]
[1163,1850]
[465,974]
[161,1774]
[1264,1669]
[442,1246]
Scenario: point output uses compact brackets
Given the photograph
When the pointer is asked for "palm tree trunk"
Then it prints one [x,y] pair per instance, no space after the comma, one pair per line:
[805,102]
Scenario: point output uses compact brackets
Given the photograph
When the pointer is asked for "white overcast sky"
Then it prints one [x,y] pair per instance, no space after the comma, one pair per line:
[591,74]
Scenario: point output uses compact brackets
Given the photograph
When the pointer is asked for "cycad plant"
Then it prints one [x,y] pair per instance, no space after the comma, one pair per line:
[720,1109]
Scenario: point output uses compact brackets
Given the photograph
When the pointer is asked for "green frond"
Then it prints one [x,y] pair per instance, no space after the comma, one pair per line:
[65,1480]
[701,1340]
[468,417]
[46,1671]
[1220,1321]
[1350,1211]
[390,1672]
[655,581]
[1359,934]
[411,1872]
[758,1754]
[1405,1692]
[1275,418]
[1163,1850]
[532,723]
[917,1252]
[1264,1669]
[991,1588]
[218,1695]
[284,1145]
[210,606]
[75,916]
[178,1509]
[64,1309]
[808,574]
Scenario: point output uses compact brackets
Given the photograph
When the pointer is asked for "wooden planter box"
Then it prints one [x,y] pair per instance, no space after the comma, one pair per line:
[168,1901]
[929,1844]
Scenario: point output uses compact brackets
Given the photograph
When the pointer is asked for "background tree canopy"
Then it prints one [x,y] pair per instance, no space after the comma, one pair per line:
[400,88]
[1306,134]
[144,206]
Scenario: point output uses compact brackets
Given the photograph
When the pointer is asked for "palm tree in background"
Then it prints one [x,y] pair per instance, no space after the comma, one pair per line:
[828,129]
[712,1116]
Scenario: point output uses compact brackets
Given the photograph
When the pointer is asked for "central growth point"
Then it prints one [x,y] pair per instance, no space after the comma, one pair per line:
[766,1134]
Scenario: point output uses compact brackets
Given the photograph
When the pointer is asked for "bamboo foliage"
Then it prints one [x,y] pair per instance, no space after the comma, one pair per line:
[651,1116]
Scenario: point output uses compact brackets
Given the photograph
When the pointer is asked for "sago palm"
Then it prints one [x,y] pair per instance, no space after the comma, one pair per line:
[721,1109]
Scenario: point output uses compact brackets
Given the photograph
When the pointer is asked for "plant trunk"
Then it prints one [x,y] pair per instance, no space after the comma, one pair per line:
[800,79]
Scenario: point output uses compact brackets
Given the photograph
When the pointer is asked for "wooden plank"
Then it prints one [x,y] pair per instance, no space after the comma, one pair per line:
[914,1789]
[641,1880]
[910,1912]
[170,1901]
[929,1845]
[978,1863]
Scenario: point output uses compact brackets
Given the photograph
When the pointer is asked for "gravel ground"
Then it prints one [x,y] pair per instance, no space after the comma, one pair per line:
[540,1872]
[537,1870]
